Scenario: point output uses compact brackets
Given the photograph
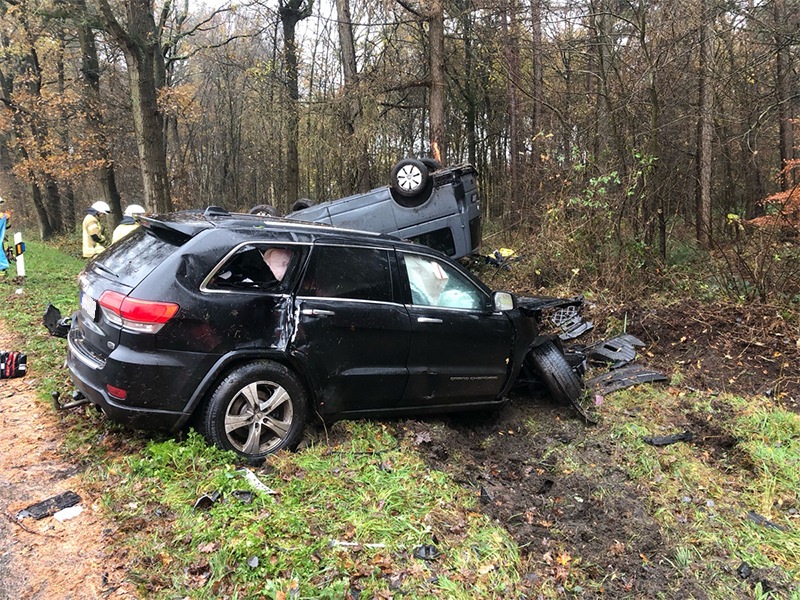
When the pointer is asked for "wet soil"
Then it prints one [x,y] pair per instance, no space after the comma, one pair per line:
[47,559]
[599,519]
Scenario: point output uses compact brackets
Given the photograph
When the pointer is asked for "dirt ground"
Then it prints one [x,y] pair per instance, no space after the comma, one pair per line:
[741,350]
[46,559]
[745,351]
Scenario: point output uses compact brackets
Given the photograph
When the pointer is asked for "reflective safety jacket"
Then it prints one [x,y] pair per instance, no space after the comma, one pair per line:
[93,238]
[126,226]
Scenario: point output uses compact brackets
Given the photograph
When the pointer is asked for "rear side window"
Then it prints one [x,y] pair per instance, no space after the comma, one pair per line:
[259,266]
[353,273]
[135,256]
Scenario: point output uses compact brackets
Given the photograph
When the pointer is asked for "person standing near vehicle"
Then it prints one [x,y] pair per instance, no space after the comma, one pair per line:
[93,237]
[128,223]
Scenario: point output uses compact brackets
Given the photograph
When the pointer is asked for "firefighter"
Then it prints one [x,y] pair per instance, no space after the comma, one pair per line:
[93,237]
[128,223]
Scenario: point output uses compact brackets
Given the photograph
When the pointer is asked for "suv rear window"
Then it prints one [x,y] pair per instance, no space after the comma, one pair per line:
[135,256]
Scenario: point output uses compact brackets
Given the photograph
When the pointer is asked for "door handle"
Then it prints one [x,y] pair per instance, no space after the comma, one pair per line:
[317,312]
[428,320]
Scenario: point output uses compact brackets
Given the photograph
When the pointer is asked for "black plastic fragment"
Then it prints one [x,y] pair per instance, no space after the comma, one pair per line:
[427,552]
[207,500]
[618,351]
[49,507]
[666,440]
[761,520]
[243,496]
[622,378]
[54,323]
[744,570]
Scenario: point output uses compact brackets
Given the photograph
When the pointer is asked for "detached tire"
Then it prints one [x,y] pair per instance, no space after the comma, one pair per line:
[411,182]
[257,409]
[553,369]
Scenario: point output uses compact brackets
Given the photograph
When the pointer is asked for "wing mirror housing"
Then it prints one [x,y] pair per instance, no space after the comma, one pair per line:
[504,301]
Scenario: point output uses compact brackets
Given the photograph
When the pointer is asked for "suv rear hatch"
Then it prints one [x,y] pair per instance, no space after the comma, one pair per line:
[114,274]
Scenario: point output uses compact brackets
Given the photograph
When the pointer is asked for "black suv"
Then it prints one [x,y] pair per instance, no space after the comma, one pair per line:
[248,325]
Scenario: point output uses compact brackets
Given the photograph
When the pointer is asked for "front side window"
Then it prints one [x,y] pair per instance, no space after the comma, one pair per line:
[262,267]
[352,273]
[434,283]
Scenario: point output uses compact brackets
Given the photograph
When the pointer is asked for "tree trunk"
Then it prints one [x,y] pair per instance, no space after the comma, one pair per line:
[90,70]
[141,46]
[783,68]
[436,101]
[291,13]
[705,132]
[356,163]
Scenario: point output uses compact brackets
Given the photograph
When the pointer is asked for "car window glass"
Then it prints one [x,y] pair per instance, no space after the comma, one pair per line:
[354,273]
[135,257]
[264,267]
[441,240]
[434,283]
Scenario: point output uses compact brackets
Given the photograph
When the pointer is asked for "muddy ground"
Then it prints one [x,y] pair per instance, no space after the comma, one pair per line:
[744,351]
[740,350]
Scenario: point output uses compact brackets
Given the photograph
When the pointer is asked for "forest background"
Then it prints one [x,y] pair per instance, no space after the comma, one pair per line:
[632,135]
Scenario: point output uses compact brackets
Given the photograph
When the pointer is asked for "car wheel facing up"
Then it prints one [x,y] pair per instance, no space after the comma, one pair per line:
[257,409]
[411,182]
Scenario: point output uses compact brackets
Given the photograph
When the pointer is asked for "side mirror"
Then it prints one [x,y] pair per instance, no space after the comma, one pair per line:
[503,301]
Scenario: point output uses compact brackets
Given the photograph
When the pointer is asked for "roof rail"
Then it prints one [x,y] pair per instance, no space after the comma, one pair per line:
[216,211]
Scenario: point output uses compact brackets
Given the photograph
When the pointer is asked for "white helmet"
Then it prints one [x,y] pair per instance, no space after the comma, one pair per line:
[134,209]
[101,207]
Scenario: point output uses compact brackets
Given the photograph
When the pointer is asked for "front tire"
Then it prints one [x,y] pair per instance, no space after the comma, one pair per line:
[553,369]
[256,410]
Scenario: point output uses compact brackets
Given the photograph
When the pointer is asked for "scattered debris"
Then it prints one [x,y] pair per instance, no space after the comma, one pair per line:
[761,520]
[206,501]
[338,543]
[57,325]
[243,496]
[622,378]
[68,513]
[255,482]
[666,440]
[13,364]
[427,552]
[744,570]
[252,562]
[618,351]
[50,506]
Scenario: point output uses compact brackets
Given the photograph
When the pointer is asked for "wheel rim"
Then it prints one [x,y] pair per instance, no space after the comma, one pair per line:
[409,178]
[258,417]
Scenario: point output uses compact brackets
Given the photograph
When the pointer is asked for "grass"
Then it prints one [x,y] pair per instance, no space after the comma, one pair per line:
[346,518]
[339,519]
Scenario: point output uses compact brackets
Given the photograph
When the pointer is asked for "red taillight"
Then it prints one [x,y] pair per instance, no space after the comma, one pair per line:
[146,316]
[116,392]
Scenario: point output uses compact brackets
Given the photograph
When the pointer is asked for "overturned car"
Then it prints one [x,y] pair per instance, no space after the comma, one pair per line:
[425,203]
[245,327]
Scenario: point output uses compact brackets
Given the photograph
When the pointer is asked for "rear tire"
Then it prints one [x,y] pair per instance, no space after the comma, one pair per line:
[257,409]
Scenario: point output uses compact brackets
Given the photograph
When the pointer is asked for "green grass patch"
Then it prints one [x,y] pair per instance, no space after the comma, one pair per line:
[339,519]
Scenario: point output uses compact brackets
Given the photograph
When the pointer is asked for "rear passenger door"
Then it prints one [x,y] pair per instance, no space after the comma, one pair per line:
[352,333]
